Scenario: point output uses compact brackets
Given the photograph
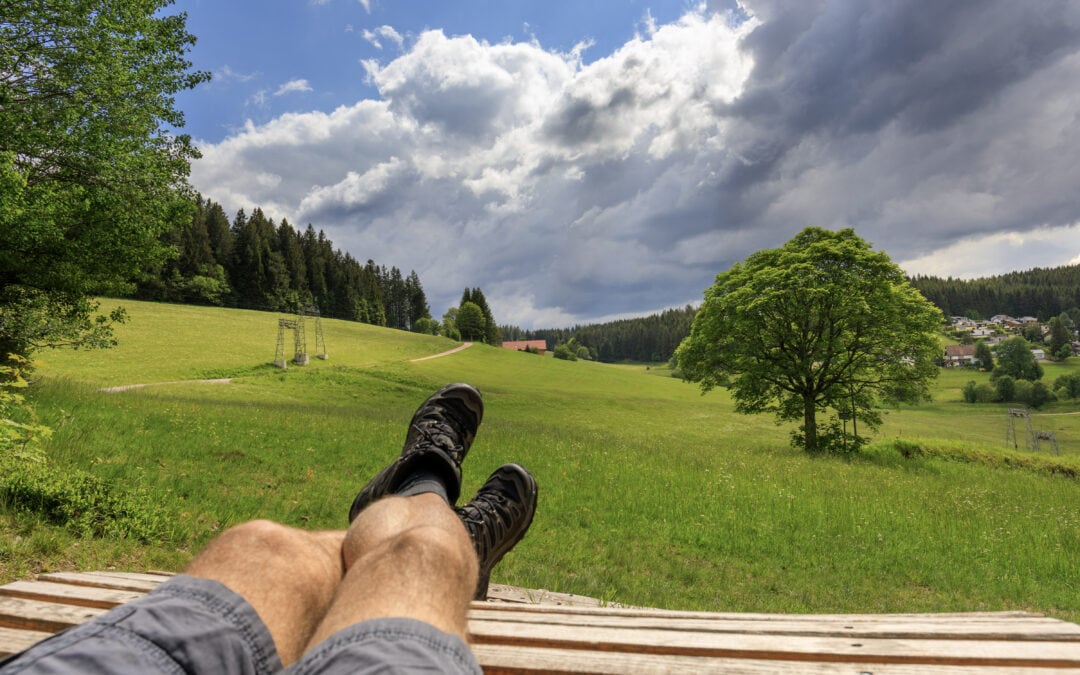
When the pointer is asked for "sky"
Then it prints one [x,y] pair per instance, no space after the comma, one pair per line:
[585,161]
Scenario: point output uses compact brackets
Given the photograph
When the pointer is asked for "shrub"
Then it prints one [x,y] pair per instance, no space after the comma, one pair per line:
[565,353]
[1039,395]
[19,430]
[426,325]
[985,393]
[1069,384]
[82,502]
[1006,387]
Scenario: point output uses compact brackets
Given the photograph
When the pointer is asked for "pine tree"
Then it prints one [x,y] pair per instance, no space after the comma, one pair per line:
[417,301]
[292,254]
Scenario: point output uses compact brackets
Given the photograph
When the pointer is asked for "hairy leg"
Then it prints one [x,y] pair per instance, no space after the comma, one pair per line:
[287,575]
[405,557]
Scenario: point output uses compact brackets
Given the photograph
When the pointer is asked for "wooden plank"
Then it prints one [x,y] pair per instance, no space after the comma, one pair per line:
[677,613]
[99,580]
[954,627]
[14,640]
[69,594]
[136,576]
[781,648]
[500,660]
[43,616]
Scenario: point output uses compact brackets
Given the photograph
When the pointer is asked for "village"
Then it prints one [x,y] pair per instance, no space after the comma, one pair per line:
[995,330]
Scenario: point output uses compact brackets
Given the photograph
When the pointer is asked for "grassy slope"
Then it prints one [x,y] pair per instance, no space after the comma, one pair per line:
[650,493]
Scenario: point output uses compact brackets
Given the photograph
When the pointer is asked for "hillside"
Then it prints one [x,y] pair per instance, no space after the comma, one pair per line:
[1040,292]
[651,494]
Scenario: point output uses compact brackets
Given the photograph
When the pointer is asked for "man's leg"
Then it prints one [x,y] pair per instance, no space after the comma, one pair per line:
[405,557]
[211,619]
[287,575]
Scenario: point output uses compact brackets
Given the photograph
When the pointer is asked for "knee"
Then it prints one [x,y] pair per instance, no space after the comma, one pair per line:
[385,520]
[432,551]
[261,540]
[259,535]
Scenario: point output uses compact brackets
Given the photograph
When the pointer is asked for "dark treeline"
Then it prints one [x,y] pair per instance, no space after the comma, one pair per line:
[1041,292]
[651,338]
[254,263]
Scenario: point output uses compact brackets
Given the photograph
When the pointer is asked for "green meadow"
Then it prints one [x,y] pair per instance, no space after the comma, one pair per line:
[650,493]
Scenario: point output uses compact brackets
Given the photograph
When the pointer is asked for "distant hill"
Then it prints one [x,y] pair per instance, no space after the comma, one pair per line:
[1039,292]
[651,338]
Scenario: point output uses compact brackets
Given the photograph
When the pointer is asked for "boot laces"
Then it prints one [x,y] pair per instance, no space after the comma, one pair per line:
[488,519]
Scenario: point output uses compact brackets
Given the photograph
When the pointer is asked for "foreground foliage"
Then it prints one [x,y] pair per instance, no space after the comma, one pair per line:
[89,177]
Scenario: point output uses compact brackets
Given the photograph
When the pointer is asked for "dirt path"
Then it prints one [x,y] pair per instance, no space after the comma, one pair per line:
[125,387]
[226,380]
[435,356]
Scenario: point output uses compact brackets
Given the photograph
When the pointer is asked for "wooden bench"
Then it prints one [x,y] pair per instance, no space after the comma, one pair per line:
[536,631]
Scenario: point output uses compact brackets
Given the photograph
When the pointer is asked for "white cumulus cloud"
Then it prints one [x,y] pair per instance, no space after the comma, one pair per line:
[570,191]
[377,36]
[293,87]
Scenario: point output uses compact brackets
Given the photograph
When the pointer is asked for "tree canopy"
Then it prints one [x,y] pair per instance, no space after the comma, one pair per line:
[822,322]
[470,321]
[256,263]
[1015,359]
[90,175]
[489,331]
[983,355]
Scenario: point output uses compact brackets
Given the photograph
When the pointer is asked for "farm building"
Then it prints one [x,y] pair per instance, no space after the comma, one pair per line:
[522,345]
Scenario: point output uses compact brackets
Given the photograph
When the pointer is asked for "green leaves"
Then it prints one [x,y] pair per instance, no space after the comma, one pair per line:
[90,175]
[822,322]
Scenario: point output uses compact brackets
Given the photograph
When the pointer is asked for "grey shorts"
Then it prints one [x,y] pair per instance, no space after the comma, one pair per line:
[190,625]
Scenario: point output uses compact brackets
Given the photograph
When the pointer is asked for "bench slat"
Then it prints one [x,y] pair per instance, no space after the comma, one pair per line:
[101,580]
[785,648]
[885,626]
[13,640]
[68,594]
[501,659]
[43,616]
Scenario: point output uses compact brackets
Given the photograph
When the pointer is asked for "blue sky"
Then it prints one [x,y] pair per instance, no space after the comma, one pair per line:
[582,161]
[254,48]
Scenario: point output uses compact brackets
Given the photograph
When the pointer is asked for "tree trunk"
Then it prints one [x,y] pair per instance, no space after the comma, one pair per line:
[810,424]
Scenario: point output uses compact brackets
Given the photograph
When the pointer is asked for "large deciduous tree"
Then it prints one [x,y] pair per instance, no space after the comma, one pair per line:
[470,321]
[90,175]
[1016,360]
[823,322]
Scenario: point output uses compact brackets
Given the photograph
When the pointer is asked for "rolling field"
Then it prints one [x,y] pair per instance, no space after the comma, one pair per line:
[650,493]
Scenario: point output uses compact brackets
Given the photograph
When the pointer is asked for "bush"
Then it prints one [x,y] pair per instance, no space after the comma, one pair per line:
[19,431]
[1034,394]
[82,502]
[1006,387]
[1021,393]
[1069,384]
[565,353]
[426,325]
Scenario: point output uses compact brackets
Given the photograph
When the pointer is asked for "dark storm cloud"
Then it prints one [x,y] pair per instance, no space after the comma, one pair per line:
[944,132]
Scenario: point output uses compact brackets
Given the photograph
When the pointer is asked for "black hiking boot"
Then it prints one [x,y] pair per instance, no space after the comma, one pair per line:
[439,437]
[498,517]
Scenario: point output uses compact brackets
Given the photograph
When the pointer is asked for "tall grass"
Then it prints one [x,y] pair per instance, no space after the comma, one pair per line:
[650,493]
